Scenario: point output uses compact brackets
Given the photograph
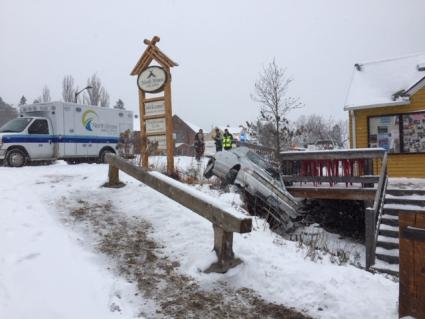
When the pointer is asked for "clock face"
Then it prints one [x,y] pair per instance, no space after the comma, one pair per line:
[152,79]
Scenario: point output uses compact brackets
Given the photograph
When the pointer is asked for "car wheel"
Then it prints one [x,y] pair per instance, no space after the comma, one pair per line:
[209,169]
[16,158]
[230,176]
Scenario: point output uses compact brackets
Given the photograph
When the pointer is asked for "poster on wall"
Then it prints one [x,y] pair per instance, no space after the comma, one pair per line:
[414,133]
[384,132]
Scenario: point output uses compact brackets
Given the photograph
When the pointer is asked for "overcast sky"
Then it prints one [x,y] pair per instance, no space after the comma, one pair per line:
[221,46]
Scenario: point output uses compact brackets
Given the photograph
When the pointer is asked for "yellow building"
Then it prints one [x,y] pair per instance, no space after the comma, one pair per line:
[386,105]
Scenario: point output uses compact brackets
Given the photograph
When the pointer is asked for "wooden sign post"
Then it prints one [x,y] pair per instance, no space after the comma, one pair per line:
[156,116]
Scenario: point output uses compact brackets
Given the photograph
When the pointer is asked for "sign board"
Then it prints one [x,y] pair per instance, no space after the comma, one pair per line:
[161,139]
[155,125]
[152,79]
[154,108]
[156,114]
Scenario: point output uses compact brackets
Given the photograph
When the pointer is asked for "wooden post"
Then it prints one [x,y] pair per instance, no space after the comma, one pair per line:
[155,84]
[143,145]
[169,124]
[113,178]
[223,247]
[370,229]
[412,264]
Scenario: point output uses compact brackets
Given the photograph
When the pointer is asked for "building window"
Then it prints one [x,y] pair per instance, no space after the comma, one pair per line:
[384,131]
[400,133]
[414,133]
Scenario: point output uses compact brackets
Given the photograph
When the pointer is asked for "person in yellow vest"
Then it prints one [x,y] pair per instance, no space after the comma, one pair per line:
[227,140]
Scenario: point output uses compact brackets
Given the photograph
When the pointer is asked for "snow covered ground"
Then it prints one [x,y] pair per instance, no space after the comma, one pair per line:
[49,268]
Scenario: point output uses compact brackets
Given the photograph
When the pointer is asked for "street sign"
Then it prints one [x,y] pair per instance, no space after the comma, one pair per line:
[155,126]
[156,116]
[152,79]
[155,108]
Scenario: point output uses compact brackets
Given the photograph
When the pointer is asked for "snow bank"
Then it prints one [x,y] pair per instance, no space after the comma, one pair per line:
[76,285]
[44,270]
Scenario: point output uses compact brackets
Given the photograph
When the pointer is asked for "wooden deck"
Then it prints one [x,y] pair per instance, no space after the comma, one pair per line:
[339,193]
[332,174]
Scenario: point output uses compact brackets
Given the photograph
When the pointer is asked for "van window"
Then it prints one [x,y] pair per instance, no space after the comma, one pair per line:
[39,127]
[16,125]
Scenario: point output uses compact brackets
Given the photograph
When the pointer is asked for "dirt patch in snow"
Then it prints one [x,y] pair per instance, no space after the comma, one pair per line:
[140,260]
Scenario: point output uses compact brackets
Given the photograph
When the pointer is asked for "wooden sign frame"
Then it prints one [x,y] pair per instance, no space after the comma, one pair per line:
[153,53]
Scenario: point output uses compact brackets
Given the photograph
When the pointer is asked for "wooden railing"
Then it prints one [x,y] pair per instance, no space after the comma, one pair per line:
[353,166]
[374,214]
[225,223]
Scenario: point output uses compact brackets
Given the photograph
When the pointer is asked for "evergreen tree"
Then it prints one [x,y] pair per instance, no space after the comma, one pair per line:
[7,112]
[119,105]
[23,100]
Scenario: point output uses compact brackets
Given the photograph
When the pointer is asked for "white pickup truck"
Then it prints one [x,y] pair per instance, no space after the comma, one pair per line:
[58,130]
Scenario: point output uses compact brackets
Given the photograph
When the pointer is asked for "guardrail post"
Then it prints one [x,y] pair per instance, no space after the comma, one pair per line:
[370,225]
[113,178]
[223,247]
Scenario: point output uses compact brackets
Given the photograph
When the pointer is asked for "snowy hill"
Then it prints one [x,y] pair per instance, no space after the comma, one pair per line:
[70,249]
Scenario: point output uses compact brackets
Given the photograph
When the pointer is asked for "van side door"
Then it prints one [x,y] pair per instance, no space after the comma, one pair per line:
[42,143]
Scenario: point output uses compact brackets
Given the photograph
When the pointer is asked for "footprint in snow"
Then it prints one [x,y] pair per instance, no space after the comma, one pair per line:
[28,257]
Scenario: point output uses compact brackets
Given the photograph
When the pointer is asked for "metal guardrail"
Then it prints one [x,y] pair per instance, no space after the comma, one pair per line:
[224,222]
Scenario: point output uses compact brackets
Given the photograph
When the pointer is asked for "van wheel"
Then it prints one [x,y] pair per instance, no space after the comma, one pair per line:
[102,156]
[16,158]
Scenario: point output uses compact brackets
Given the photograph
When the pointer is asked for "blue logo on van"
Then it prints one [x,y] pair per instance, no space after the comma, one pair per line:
[88,119]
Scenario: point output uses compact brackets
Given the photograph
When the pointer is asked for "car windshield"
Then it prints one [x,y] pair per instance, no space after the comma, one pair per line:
[16,125]
[257,159]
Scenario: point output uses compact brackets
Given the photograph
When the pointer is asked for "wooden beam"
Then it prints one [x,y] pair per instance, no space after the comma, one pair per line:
[332,193]
[215,214]
[155,99]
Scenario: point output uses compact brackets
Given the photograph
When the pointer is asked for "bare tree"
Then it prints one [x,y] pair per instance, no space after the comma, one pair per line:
[68,89]
[97,95]
[271,91]
[104,98]
[23,100]
[314,128]
[45,95]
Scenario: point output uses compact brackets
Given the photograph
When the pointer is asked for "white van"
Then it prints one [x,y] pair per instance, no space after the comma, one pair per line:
[59,130]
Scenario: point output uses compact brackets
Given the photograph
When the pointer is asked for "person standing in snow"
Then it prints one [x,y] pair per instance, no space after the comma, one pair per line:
[227,140]
[199,145]
[218,140]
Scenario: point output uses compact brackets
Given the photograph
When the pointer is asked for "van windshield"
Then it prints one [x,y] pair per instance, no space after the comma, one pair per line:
[16,125]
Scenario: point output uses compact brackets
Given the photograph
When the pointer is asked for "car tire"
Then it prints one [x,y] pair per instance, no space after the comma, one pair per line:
[230,176]
[208,173]
[16,158]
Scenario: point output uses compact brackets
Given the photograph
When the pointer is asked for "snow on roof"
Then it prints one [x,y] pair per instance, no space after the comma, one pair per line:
[374,84]
[194,127]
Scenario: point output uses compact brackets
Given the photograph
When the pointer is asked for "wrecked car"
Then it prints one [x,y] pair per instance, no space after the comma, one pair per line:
[258,179]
